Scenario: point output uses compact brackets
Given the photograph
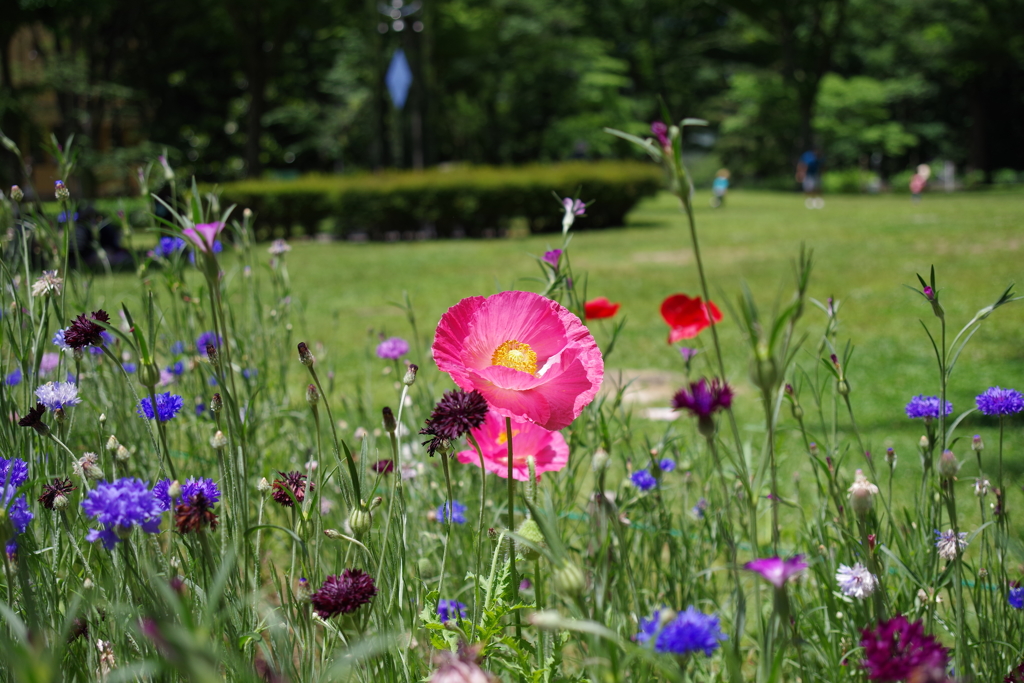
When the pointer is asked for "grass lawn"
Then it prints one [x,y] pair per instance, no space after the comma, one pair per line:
[865,250]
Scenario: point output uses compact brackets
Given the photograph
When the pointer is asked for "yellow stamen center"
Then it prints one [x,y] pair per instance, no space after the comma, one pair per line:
[516,355]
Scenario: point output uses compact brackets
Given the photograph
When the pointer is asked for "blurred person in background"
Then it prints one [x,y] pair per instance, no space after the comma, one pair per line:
[719,187]
[808,174]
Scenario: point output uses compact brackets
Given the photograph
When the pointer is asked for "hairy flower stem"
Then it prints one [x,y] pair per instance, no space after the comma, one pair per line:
[449,510]
[353,475]
[479,535]
[513,574]
[961,653]
[770,424]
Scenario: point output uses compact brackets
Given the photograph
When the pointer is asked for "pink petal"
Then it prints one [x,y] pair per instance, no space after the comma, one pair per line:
[451,336]
[524,316]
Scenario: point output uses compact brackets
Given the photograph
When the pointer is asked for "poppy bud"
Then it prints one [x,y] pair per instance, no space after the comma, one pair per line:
[532,533]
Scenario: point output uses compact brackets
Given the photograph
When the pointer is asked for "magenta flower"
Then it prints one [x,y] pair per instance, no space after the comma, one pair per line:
[552,257]
[897,650]
[660,131]
[204,235]
[703,398]
[530,357]
[549,450]
[575,206]
[776,570]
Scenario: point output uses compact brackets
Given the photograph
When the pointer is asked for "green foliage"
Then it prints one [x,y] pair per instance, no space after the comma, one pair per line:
[758,126]
[459,200]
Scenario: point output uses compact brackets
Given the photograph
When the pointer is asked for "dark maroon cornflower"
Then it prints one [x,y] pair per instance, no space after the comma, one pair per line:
[194,513]
[1016,676]
[59,488]
[703,400]
[344,593]
[84,331]
[291,488]
[897,650]
[79,629]
[454,415]
[34,419]
[384,466]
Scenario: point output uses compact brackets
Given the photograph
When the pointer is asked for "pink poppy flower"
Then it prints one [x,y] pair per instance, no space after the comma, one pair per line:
[549,450]
[204,235]
[530,357]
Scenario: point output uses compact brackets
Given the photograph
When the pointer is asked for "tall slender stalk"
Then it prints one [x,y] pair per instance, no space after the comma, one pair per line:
[513,574]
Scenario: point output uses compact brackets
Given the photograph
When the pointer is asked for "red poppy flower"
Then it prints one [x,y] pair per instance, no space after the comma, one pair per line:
[598,308]
[688,316]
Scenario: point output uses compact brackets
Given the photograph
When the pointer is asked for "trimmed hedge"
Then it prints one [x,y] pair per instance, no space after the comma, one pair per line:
[469,201]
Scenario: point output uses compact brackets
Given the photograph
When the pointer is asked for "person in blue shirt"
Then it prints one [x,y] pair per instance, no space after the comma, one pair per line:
[719,187]
[808,174]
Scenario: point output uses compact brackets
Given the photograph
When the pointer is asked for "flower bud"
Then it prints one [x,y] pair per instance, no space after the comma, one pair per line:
[390,426]
[216,404]
[410,375]
[890,456]
[359,521]
[60,191]
[981,487]
[600,460]
[263,486]
[59,415]
[305,355]
[60,502]
[149,375]
[424,566]
[122,454]
[174,490]
[798,411]
[861,493]
[16,193]
[977,444]
[948,465]
[843,388]
[375,503]
[569,580]
[334,534]
[813,448]
[87,584]
[102,418]
[112,444]
[924,444]
[218,440]
[212,355]
[529,530]
[312,396]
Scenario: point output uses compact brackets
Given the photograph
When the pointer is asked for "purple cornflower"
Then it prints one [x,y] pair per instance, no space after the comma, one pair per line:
[457,509]
[56,395]
[1016,597]
[118,507]
[169,246]
[703,398]
[448,609]
[997,401]
[687,353]
[13,379]
[689,632]
[699,509]
[176,368]
[194,508]
[14,473]
[208,337]
[776,570]
[85,331]
[897,650]
[551,257]
[926,407]
[455,414]
[392,348]
[178,348]
[666,464]
[167,406]
[643,480]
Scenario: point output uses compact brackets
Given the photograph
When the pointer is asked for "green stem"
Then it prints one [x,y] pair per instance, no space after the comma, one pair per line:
[513,574]
[449,511]
[479,534]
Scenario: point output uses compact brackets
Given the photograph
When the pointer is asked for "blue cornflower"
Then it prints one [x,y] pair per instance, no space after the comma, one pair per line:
[1016,597]
[926,407]
[161,493]
[448,609]
[56,395]
[129,367]
[176,368]
[643,480]
[58,340]
[200,409]
[14,379]
[178,348]
[119,507]
[997,401]
[690,631]
[249,373]
[107,339]
[666,464]
[203,485]
[209,337]
[457,509]
[169,246]
[699,509]
[167,406]
[217,248]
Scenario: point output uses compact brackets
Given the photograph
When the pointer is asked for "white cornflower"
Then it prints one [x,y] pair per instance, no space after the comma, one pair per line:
[278,247]
[981,487]
[856,581]
[56,395]
[48,282]
[947,543]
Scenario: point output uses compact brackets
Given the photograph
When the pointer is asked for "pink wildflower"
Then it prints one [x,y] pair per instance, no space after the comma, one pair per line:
[549,450]
[204,235]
